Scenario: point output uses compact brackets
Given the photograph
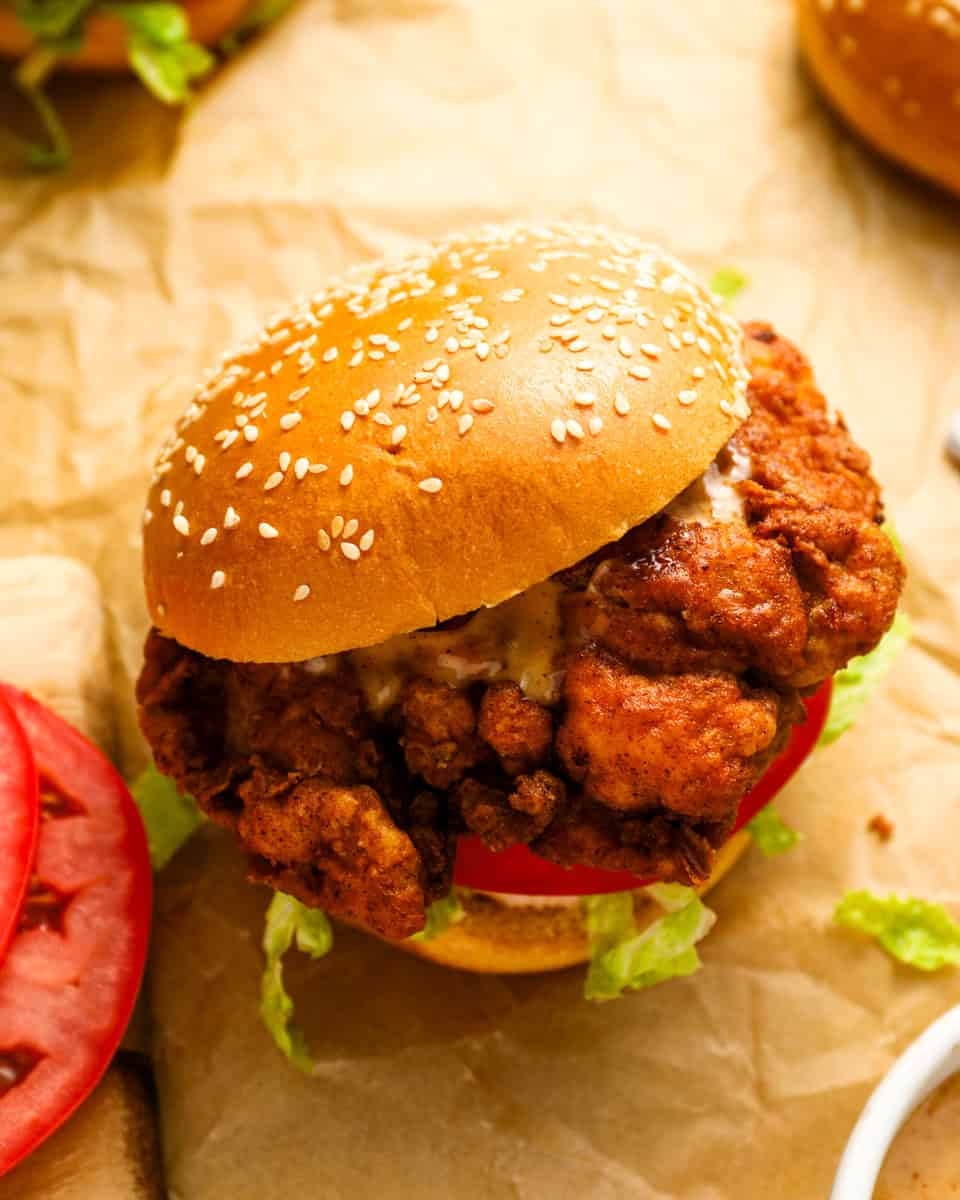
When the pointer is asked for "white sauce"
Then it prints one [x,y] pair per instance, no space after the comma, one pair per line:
[516,900]
[713,497]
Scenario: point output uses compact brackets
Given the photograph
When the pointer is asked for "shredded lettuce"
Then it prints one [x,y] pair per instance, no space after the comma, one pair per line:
[859,679]
[624,958]
[170,818]
[912,931]
[159,47]
[440,916]
[728,283]
[289,921]
[771,833]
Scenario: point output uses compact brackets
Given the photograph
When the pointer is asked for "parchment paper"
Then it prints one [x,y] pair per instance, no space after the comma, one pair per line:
[351,128]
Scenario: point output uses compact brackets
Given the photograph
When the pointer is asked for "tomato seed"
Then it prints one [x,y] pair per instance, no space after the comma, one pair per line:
[44,907]
[55,804]
[16,1063]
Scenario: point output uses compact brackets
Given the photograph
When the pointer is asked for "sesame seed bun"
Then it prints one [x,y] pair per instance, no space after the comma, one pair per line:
[434,435]
[892,69]
[104,46]
[501,939]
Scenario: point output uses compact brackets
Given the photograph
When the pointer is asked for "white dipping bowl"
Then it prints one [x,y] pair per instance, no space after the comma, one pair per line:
[920,1070]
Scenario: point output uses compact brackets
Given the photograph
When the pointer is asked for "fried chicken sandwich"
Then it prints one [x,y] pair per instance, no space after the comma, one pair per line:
[514,567]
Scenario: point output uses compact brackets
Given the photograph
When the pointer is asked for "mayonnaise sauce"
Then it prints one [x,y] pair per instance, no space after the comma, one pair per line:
[520,640]
[924,1160]
[714,496]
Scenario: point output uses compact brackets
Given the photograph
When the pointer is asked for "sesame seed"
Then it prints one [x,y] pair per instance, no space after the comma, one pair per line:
[650,350]
[397,435]
[621,405]
[336,526]
[431,485]
[376,355]
[317,468]
[404,324]
[432,414]
[367,540]
[147,516]
[301,467]
[480,405]
[557,298]
[267,531]
[302,592]
[208,536]
[688,337]
[217,580]
[595,315]
[289,420]
[230,518]
[559,319]
[179,509]
[625,346]
[431,335]
[349,550]
[558,430]
[674,341]
[441,375]
[351,527]
[181,524]
[273,481]
[378,339]
[323,539]
[330,355]
[381,418]
[577,345]
[346,420]
[641,372]
[284,460]
[298,395]
[190,453]
[585,364]
[451,345]
[165,498]
[251,433]
[482,351]
[703,345]
[574,428]
[726,407]
[373,398]
[595,425]
[609,332]
[585,399]
[660,421]
[346,475]
[698,373]
[464,423]
[687,396]
[356,359]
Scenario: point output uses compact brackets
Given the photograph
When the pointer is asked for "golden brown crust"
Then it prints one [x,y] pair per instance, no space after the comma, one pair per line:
[498,939]
[471,332]
[892,68]
[104,45]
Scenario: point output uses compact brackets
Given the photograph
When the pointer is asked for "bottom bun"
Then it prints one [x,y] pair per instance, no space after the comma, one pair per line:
[517,939]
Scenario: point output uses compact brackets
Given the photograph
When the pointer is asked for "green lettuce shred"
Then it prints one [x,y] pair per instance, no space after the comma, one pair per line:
[289,921]
[912,931]
[859,679]
[440,916]
[169,817]
[771,833]
[623,958]
[728,283]
[159,46]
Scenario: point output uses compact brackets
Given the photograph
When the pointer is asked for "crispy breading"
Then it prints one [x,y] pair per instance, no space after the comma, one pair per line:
[519,730]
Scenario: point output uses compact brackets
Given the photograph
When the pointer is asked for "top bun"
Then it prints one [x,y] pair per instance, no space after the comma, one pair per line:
[892,68]
[433,435]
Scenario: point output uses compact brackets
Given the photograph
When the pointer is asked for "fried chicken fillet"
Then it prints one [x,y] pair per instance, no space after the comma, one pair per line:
[677,658]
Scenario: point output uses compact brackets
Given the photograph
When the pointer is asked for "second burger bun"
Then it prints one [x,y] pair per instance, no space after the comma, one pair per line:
[892,69]
[105,47]
[432,435]
[514,939]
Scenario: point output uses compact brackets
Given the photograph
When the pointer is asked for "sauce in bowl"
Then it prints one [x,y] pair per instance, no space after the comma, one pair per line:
[924,1160]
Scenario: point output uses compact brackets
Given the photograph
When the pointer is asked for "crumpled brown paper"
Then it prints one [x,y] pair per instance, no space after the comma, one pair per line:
[350,129]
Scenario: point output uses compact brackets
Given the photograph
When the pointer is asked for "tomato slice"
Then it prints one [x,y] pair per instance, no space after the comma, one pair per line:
[19,822]
[519,871]
[70,980]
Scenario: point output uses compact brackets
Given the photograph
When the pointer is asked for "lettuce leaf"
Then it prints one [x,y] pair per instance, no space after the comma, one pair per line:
[440,916]
[728,283]
[170,818]
[50,20]
[161,52]
[624,958]
[912,931]
[771,833]
[859,679]
[289,921]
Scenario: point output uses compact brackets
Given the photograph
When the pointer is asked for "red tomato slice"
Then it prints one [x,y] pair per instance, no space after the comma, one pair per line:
[19,822]
[519,871]
[70,981]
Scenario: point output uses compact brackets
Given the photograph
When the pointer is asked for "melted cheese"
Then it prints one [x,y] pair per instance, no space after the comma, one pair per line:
[519,640]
